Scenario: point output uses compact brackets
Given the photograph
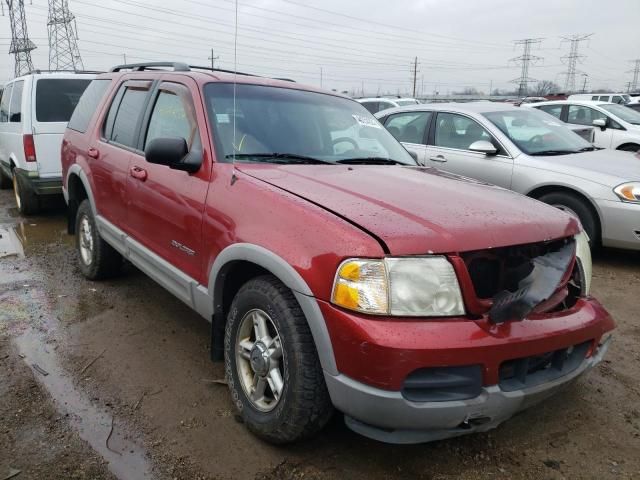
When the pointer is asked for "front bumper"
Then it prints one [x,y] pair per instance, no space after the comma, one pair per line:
[620,224]
[41,186]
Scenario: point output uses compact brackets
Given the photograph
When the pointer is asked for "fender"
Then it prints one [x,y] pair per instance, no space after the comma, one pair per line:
[287,275]
[77,170]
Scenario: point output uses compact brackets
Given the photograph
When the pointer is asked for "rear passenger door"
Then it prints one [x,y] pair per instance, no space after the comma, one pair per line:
[448,149]
[167,205]
[410,129]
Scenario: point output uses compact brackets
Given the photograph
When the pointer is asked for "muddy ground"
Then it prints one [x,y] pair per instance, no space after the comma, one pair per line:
[112,380]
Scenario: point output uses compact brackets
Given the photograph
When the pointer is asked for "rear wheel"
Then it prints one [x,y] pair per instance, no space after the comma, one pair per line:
[271,364]
[26,199]
[574,205]
[96,258]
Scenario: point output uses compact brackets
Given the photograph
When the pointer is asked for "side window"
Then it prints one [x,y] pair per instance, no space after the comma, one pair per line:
[581,115]
[124,115]
[87,105]
[617,99]
[173,115]
[373,107]
[408,127]
[4,104]
[555,110]
[15,110]
[457,131]
[604,98]
[595,97]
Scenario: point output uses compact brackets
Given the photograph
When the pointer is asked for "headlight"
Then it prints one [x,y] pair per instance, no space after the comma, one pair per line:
[412,287]
[629,192]
[583,255]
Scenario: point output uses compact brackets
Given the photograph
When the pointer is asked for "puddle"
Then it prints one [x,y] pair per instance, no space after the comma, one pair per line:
[126,459]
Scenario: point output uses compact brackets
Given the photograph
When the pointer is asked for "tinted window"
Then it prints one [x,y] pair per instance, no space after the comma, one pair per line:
[57,97]
[604,98]
[595,97]
[373,107]
[127,116]
[15,111]
[457,131]
[581,115]
[87,105]
[170,118]
[409,126]
[554,110]
[617,99]
[4,104]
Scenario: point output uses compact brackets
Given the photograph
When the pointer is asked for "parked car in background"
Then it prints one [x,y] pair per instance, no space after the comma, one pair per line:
[530,152]
[34,111]
[620,98]
[379,103]
[350,277]
[616,126]
[634,106]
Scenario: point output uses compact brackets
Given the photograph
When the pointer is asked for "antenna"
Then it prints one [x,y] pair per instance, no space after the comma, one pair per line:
[63,46]
[235,74]
[21,46]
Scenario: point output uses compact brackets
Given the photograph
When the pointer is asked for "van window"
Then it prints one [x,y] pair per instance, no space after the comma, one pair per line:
[88,105]
[595,97]
[4,104]
[15,110]
[604,98]
[57,97]
[126,118]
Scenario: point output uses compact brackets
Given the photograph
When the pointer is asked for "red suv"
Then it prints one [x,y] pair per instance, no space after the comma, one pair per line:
[336,271]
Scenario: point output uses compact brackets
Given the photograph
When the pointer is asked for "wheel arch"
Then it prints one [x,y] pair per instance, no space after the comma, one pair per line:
[77,189]
[240,262]
[625,146]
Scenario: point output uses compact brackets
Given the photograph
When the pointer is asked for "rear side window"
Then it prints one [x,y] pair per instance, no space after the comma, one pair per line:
[555,110]
[408,127]
[88,104]
[373,107]
[15,110]
[57,97]
[4,104]
[124,116]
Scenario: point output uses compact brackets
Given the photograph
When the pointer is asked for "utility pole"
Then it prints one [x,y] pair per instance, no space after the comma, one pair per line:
[21,45]
[213,59]
[584,84]
[124,55]
[63,46]
[525,60]
[320,77]
[636,75]
[490,87]
[414,74]
[572,60]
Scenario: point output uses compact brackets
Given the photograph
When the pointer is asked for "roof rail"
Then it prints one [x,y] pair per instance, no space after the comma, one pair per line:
[198,67]
[139,67]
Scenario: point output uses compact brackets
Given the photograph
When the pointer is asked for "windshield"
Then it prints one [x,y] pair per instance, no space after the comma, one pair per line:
[625,113]
[284,125]
[537,133]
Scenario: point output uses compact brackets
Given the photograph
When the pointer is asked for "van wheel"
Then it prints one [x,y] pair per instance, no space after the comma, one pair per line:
[96,258]
[575,206]
[26,199]
[271,364]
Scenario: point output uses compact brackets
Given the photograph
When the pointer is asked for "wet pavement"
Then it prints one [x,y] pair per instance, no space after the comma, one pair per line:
[113,380]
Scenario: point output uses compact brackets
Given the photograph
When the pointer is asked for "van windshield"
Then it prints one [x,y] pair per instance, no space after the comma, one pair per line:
[56,98]
[284,125]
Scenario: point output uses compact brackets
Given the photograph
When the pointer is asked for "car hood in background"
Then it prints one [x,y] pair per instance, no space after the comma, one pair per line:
[416,210]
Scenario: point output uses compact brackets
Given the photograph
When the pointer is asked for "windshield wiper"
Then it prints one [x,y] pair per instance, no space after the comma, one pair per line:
[552,152]
[587,149]
[370,161]
[278,157]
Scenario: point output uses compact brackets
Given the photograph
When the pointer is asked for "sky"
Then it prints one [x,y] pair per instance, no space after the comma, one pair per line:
[358,46]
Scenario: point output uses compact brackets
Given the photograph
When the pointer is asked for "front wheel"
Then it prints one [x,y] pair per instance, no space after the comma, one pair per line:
[271,364]
[577,207]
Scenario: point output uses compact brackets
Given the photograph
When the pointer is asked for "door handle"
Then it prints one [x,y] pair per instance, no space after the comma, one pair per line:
[139,173]
[93,152]
[438,158]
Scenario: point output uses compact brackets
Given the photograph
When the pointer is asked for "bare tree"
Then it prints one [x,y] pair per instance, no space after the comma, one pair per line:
[545,87]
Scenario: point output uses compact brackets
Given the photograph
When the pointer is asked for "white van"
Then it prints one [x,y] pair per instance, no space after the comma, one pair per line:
[34,111]
[622,98]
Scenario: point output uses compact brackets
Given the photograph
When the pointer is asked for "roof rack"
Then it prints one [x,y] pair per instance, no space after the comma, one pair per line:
[198,67]
[139,67]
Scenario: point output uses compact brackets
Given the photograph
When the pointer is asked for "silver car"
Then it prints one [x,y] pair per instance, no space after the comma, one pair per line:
[531,152]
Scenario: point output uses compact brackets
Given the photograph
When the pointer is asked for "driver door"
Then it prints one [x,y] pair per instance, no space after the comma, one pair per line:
[448,149]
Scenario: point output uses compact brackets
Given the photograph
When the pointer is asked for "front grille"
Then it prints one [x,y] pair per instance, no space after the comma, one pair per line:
[528,372]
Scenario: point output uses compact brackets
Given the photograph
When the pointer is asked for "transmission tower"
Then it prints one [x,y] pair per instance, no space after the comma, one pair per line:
[63,46]
[20,46]
[572,60]
[636,75]
[526,59]
[414,74]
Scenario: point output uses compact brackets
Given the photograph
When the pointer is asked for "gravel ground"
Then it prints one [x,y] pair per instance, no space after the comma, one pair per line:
[112,380]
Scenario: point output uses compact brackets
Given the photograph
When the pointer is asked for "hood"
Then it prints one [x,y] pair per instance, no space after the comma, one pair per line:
[606,167]
[418,210]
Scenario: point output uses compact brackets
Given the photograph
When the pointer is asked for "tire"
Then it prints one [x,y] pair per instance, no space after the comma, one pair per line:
[5,182]
[573,204]
[629,147]
[303,406]
[96,258]
[26,199]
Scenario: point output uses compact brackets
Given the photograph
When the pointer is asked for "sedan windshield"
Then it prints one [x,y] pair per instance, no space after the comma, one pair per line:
[284,125]
[537,133]
[622,112]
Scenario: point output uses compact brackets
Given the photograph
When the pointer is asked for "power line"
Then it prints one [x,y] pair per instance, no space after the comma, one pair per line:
[572,60]
[21,46]
[525,60]
[63,47]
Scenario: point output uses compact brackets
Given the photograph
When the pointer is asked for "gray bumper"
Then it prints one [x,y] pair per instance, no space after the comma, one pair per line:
[388,417]
[41,186]
[621,224]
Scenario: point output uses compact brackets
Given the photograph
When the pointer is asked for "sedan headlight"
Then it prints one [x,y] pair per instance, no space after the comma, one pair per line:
[583,255]
[408,286]
[629,192]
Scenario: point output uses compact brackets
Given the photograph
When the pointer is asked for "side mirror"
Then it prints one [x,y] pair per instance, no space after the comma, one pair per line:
[483,146]
[174,153]
[600,122]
